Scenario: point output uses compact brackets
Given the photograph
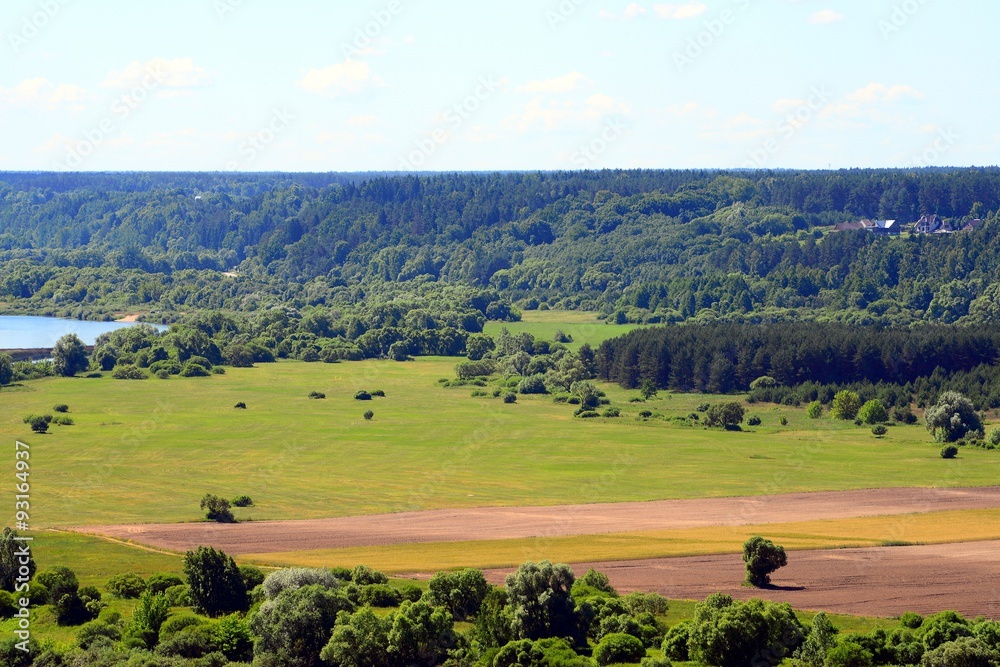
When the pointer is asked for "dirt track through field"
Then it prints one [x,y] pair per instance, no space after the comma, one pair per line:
[884,581]
[523,522]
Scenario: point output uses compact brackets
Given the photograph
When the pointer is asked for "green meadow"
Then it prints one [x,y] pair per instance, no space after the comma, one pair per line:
[147,451]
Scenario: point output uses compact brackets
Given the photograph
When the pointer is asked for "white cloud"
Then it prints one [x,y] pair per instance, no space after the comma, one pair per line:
[564,115]
[634,10]
[367,120]
[668,11]
[879,92]
[177,73]
[42,94]
[563,84]
[351,77]
[825,16]
[679,12]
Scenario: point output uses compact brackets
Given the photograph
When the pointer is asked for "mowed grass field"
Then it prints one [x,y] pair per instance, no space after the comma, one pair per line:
[147,451]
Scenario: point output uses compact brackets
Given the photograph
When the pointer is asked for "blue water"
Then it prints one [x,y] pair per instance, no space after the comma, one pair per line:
[28,333]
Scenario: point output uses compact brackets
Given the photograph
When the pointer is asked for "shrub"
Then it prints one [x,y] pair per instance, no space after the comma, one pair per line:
[703,407]
[7,606]
[510,398]
[179,596]
[879,431]
[317,395]
[126,586]
[754,421]
[846,405]
[994,437]
[128,372]
[411,592]
[911,620]
[362,396]
[646,603]
[729,633]
[252,576]
[377,393]
[848,654]
[217,509]
[645,414]
[815,410]
[612,412]
[587,414]
[170,366]
[192,370]
[175,624]
[873,412]
[655,662]
[159,583]
[534,384]
[618,647]
[380,595]
[298,577]
[963,652]
[764,382]
[62,407]
[762,557]
[949,452]
[63,421]
[783,421]
[95,630]
[242,501]
[240,406]
[218,370]
[162,375]
[38,423]
[200,361]
[362,575]
[369,415]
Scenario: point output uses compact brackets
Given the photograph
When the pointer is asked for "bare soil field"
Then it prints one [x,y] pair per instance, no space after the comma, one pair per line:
[497,523]
[885,581]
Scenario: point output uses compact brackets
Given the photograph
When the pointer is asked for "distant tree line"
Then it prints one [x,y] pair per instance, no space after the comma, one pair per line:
[809,361]
[638,246]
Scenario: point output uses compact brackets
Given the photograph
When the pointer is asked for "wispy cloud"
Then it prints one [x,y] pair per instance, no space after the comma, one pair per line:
[668,11]
[562,84]
[177,73]
[825,16]
[351,77]
[42,94]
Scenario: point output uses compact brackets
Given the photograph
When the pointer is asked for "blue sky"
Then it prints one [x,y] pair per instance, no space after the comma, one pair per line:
[308,85]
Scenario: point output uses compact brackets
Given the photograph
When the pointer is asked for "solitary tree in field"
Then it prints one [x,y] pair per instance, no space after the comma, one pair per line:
[69,356]
[217,509]
[726,415]
[952,417]
[648,389]
[762,558]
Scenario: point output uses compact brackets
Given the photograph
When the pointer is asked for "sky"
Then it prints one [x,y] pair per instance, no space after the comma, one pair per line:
[445,85]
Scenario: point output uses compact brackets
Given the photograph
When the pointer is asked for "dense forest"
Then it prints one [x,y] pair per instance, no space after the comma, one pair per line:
[810,361]
[642,246]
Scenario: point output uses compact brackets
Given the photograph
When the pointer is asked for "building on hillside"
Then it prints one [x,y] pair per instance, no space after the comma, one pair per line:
[854,226]
[972,225]
[927,224]
[885,228]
